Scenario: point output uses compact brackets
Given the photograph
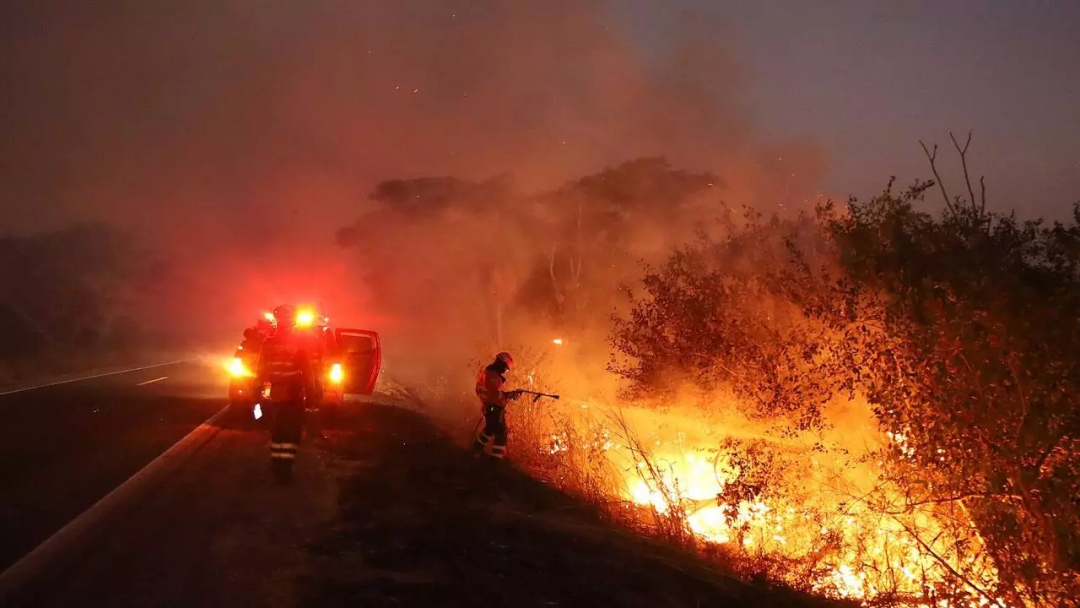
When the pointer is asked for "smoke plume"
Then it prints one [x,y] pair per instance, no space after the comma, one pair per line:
[238,136]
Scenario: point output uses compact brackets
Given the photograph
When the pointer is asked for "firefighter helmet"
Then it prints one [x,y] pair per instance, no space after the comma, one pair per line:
[506,359]
[285,315]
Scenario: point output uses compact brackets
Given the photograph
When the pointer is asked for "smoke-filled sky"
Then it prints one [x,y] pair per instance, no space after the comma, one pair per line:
[233,121]
[867,79]
[237,136]
[255,114]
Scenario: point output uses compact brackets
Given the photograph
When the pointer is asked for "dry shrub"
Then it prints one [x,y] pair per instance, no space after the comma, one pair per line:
[955,333]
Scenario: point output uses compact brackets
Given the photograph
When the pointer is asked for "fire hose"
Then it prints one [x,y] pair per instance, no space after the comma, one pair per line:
[538,396]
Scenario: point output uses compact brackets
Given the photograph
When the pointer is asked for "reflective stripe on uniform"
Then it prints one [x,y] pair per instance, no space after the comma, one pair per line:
[283,450]
[498,451]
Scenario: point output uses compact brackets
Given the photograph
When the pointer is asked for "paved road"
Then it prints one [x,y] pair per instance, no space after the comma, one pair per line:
[209,528]
[66,446]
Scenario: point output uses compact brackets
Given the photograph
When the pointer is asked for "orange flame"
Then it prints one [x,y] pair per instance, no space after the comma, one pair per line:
[859,550]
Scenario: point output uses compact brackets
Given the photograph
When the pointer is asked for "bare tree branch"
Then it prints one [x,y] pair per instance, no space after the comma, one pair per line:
[963,163]
[932,157]
[554,277]
[944,563]
[1053,445]
[580,247]
[982,201]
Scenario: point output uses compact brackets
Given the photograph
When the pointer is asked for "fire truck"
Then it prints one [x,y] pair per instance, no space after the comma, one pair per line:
[347,361]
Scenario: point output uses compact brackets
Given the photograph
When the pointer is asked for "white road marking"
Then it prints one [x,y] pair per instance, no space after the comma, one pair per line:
[90,377]
[152,381]
[67,538]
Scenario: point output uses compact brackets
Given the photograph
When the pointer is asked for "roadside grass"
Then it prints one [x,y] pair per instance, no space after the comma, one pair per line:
[422,522]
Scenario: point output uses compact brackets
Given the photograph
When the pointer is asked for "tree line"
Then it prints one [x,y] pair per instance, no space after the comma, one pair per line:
[71,292]
[490,252]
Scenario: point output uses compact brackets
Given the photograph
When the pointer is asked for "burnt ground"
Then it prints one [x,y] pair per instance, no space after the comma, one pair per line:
[421,522]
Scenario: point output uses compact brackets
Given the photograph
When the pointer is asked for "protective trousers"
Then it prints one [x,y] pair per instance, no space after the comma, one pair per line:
[286,429]
[494,427]
[313,412]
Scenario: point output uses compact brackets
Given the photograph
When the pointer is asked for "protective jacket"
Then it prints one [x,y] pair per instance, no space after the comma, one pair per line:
[286,365]
[489,386]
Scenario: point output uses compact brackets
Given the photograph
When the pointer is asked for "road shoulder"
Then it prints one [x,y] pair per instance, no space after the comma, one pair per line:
[217,531]
[421,522]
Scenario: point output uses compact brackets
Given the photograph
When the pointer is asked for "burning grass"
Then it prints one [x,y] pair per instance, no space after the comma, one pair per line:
[811,512]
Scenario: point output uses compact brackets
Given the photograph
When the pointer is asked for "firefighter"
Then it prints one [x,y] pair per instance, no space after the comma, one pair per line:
[493,399]
[285,365]
[264,328]
[248,355]
[316,346]
[252,341]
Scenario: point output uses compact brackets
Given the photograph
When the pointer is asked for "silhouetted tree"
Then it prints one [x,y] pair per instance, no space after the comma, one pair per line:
[68,288]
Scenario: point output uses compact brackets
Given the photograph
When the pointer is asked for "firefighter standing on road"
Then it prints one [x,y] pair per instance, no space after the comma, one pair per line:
[489,388]
[264,328]
[285,365]
[313,336]
[248,354]
[252,341]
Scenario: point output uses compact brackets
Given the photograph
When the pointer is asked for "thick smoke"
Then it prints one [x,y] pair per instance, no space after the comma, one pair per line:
[238,135]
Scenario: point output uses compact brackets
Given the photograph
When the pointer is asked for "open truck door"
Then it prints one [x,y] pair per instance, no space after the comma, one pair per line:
[360,356]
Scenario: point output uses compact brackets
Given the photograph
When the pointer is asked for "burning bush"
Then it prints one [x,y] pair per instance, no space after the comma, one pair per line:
[958,331]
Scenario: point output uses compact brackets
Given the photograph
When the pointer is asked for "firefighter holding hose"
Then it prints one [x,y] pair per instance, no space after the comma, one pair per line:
[489,388]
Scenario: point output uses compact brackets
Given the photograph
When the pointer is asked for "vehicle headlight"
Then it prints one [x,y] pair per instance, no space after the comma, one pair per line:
[305,318]
[237,367]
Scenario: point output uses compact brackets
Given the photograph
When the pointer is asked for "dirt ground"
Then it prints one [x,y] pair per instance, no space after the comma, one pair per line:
[421,522]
